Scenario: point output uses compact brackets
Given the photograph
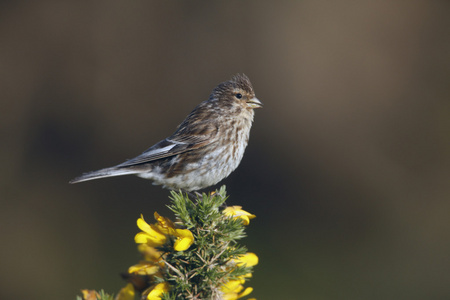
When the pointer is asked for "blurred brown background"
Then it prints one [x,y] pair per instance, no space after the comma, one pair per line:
[347,168]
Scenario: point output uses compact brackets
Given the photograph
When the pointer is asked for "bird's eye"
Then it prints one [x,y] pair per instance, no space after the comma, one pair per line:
[238,95]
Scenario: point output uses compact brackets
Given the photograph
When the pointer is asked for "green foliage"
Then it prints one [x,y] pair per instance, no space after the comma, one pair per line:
[204,267]
[194,258]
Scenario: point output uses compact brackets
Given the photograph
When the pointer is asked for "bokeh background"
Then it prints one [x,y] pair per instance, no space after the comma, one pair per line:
[348,166]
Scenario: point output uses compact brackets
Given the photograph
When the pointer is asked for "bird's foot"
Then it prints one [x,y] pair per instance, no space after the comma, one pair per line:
[194,195]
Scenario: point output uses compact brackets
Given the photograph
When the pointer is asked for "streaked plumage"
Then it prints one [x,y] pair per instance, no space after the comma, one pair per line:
[205,148]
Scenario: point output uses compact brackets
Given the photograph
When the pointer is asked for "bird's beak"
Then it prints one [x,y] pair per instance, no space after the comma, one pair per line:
[254,103]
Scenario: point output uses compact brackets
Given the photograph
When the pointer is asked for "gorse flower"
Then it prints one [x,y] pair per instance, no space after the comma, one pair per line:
[233,289]
[247,259]
[157,291]
[156,235]
[196,257]
[126,293]
[237,213]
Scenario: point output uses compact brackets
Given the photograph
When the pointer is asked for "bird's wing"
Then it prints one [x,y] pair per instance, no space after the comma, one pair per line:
[182,140]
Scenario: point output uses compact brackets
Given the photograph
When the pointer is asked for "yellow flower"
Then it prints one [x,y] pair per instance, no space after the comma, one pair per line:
[233,289]
[157,291]
[184,239]
[237,213]
[144,268]
[156,234]
[150,253]
[165,225]
[126,293]
[150,234]
[248,259]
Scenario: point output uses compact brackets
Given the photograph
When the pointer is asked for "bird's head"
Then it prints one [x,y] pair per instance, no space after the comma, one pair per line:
[237,92]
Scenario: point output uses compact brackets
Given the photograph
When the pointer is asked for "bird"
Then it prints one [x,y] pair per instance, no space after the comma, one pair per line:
[204,149]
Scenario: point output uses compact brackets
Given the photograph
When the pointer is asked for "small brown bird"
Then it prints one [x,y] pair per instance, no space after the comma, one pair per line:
[205,148]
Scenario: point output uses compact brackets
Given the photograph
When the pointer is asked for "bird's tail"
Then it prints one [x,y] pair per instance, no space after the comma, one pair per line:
[107,172]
